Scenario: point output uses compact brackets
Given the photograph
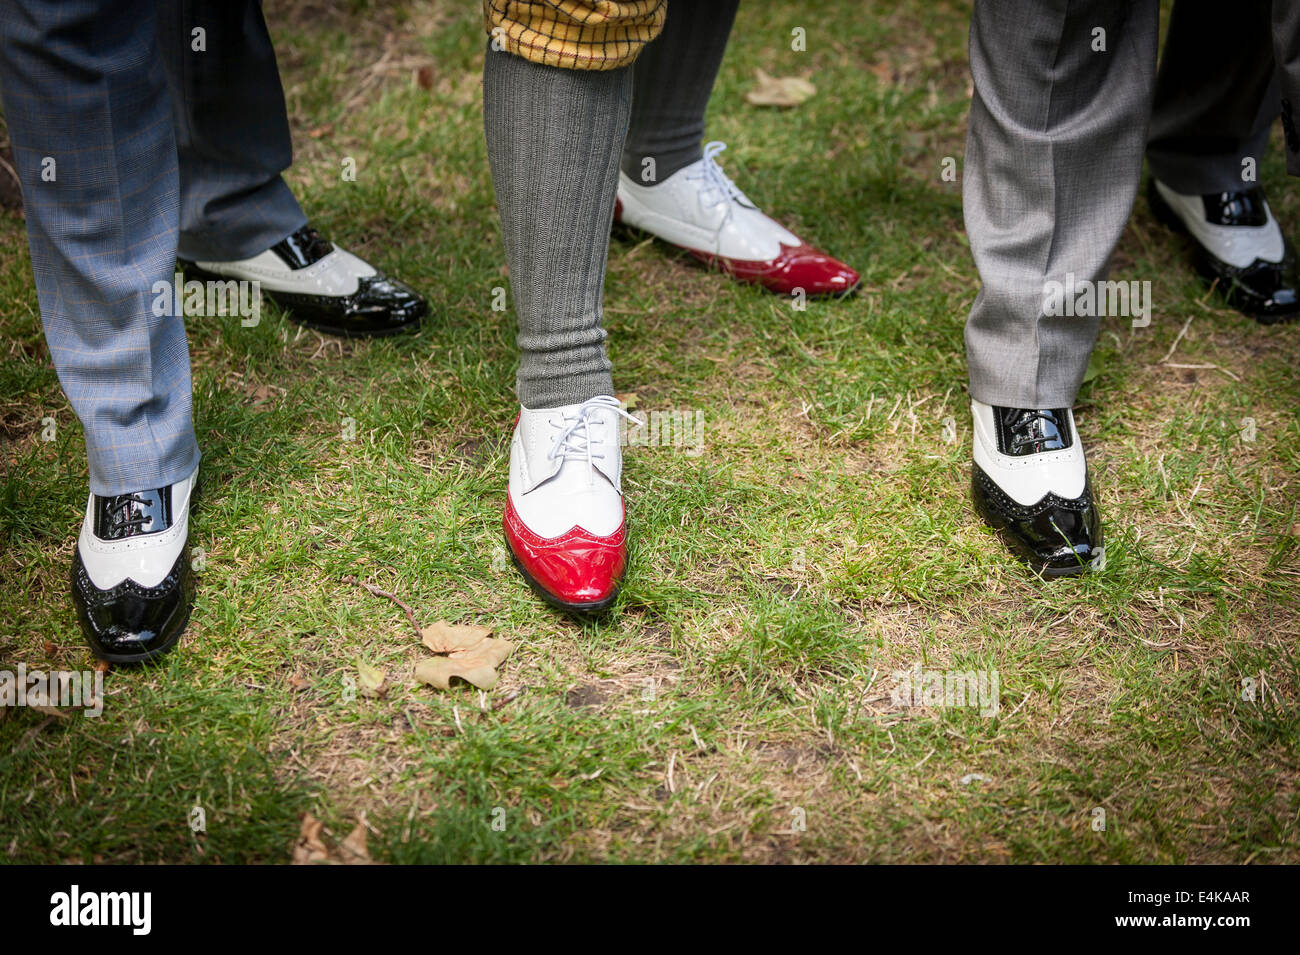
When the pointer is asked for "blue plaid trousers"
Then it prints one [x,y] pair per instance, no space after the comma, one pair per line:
[140,128]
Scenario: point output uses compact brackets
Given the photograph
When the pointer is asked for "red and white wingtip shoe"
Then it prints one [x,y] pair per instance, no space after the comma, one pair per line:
[701,210]
[564,519]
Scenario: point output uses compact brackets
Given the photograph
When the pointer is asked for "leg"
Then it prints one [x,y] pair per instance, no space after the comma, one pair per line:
[239,220]
[232,131]
[1216,96]
[1206,124]
[674,78]
[101,223]
[1053,158]
[554,136]
[88,113]
[671,187]
[555,184]
[1286,53]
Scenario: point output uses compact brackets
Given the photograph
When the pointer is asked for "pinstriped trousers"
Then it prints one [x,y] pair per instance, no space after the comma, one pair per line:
[1053,161]
[130,143]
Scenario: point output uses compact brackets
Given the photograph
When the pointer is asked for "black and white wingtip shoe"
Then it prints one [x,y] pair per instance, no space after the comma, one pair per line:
[131,578]
[1030,482]
[1238,244]
[324,287]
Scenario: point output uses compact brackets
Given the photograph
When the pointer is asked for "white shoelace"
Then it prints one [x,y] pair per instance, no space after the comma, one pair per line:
[578,433]
[716,182]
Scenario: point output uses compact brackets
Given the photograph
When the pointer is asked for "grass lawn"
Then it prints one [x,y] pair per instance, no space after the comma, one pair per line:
[736,705]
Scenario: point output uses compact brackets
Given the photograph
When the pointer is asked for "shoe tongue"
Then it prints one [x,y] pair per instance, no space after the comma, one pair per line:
[1245,208]
[132,515]
[602,426]
[1035,431]
[539,430]
[305,247]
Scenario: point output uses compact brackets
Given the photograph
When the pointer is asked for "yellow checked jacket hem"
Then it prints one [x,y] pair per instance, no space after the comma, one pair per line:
[575,34]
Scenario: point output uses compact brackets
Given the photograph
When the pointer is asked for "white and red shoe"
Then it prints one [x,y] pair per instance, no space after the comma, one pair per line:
[699,209]
[564,519]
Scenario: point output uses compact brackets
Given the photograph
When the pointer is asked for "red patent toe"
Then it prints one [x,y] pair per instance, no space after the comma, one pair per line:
[577,571]
[797,267]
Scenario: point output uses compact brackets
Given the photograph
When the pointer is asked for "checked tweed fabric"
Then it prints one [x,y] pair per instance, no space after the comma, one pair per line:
[575,34]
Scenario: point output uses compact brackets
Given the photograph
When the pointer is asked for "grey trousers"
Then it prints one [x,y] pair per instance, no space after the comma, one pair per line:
[130,142]
[1053,160]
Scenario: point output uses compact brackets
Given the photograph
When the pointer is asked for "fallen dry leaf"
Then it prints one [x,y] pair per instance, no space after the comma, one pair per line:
[779,90]
[264,393]
[438,673]
[311,847]
[372,681]
[444,637]
[352,850]
[39,698]
[48,710]
[472,655]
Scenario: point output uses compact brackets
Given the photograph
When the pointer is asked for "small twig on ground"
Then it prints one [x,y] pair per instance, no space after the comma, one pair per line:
[1169,354]
[410,614]
[1231,375]
[508,698]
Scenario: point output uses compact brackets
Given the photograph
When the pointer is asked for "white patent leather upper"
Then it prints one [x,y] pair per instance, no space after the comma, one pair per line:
[1238,245]
[566,468]
[145,559]
[699,208]
[338,273]
[1027,479]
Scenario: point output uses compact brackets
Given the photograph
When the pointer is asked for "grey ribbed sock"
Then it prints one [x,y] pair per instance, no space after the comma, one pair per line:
[674,77]
[553,141]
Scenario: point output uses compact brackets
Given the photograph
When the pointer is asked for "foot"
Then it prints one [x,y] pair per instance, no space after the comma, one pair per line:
[1238,244]
[1030,481]
[131,580]
[699,209]
[324,287]
[564,518]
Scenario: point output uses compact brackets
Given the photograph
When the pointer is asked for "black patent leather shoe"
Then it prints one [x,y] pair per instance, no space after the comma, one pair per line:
[132,584]
[1238,246]
[324,287]
[1029,481]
